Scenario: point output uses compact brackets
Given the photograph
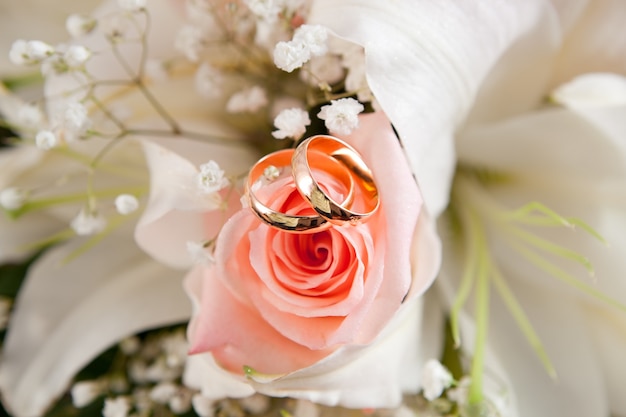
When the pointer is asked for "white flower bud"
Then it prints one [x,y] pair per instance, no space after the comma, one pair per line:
[211,178]
[78,25]
[116,407]
[45,140]
[291,123]
[76,56]
[38,51]
[341,116]
[435,379]
[208,81]
[87,223]
[126,204]
[163,392]
[84,392]
[180,403]
[248,100]
[13,198]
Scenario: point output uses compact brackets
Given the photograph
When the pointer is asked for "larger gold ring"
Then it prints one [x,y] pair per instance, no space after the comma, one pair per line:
[269,166]
[328,208]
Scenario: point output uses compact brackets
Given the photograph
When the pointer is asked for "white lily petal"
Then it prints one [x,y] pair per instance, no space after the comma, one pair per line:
[424,68]
[67,314]
[177,210]
[598,89]
[594,44]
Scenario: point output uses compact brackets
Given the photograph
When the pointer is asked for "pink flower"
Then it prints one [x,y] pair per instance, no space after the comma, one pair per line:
[277,303]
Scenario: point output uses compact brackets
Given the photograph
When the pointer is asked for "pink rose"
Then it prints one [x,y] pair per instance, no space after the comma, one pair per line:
[290,305]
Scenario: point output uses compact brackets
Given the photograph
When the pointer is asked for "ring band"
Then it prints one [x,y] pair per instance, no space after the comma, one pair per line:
[309,188]
[288,222]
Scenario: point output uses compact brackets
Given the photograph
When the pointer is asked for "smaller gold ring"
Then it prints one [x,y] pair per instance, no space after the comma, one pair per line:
[288,222]
[328,208]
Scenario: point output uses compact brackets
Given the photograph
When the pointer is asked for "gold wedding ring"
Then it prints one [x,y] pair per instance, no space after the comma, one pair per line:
[270,165]
[329,209]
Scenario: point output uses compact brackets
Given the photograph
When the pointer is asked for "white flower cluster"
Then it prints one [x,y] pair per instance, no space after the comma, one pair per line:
[308,41]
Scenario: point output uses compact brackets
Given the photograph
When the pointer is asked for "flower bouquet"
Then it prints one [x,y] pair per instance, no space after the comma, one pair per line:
[313,207]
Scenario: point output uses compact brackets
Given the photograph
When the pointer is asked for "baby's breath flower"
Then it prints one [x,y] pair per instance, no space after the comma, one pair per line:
[291,123]
[162,392]
[84,392]
[289,56]
[29,115]
[208,81]
[314,37]
[341,116]
[78,25]
[248,100]
[190,40]
[29,52]
[45,140]
[13,198]
[126,204]
[88,223]
[130,345]
[211,178]
[76,56]
[435,379]
[116,407]
[75,120]
[155,69]
[264,9]
[132,5]
[180,403]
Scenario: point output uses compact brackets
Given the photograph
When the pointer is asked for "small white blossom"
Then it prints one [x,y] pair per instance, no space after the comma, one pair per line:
[176,348]
[264,9]
[17,53]
[163,392]
[132,5]
[248,100]
[126,204]
[78,25]
[13,198]
[76,56]
[306,408]
[291,123]
[88,223]
[190,40]
[199,253]
[45,140]
[116,407]
[291,55]
[29,52]
[435,379]
[208,81]
[592,90]
[341,116]
[84,392]
[202,405]
[314,37]
[180,403]
[75,120]
[211,178]
[29,115]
